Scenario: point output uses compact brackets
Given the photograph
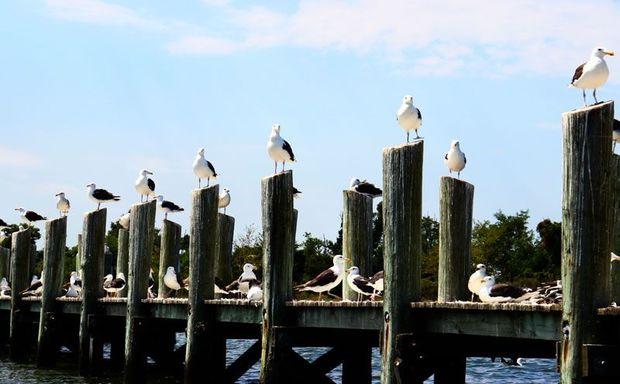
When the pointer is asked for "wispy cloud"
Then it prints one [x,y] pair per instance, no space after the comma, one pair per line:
[202,44]
[97,12]
[17,158]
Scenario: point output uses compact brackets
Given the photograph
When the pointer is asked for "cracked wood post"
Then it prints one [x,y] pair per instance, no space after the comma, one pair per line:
[141,236]
[202,356]
[223,259]
[169,253]
[53,270]
[402,215]
[356,236]
[278,225]
[92,259]
[122,256]
[5,263]
[20,280]
[615,266]
[78,256]
[586,227]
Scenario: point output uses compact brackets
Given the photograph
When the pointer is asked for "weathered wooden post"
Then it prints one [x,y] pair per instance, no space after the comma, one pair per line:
[20,268]
[277,213]
[402,215]
[141,236]
[223,260]
[5,263]
[586,226]
[53,270]
[93,241]
[356,236]
[615,266]
[169,252]
[122,256]
[33,262]
[78,257]
[202,357]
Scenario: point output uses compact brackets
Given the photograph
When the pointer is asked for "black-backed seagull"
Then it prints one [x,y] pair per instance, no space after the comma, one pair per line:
[224,199]
[616,133]
[35,288]
[29,217]
[376,282]
[326,280]
[499,293]
[455,159]
[365,187]
[475,280]
[242,284]
[167,206]
[114,285]
[593,73]
[100,196]
[62,204]
[203,169]
[144,184]
[359,283]
[279,149]
[409,117]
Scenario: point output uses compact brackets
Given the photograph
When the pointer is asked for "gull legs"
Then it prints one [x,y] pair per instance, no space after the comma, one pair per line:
[594,94]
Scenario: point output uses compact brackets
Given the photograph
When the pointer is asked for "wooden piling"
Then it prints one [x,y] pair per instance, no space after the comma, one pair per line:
[92,259]
[277,220]
[122,256]
[586,226]
[615,242]
[53,270]
[168,253]
[5,263]
[20,269]
[402,215]
[356,236]
[141,236]
[455,225]
[78,257]
[202,357]
[225,235]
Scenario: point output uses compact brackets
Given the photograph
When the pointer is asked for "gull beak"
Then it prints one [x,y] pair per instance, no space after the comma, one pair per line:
[610,53]
[347,259]
[254,268]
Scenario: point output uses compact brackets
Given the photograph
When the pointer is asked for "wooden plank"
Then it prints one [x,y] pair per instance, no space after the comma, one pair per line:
[122,256]
[169,253]
[402,218]
[356,236]
[53,270]
[586,229]
[225,236]
[455,225]
[277,220]
[615,266]
[20,269]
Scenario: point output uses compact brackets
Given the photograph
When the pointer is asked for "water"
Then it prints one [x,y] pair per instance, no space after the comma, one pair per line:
[479,370]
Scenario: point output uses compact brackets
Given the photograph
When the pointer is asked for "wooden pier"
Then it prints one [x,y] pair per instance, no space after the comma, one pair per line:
[416,339]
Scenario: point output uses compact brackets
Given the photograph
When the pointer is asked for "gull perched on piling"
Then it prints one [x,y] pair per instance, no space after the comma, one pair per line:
[167,206]
[359,283]
[203,169]
[123,221]
[616,133]
[475,280]
[364,187]
[279,149]
[409,117]
[224,199]
[173,281]
[593,73]
[100,196]
[62,204]
[29,217]
[326,280]
[455,159]
[145,185]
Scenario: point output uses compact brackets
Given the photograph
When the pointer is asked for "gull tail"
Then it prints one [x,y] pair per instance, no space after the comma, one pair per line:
[116,198]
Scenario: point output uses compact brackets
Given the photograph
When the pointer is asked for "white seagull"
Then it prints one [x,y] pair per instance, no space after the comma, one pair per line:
[100,196]
[167,206]
[455,159]
[145,185]
[242,284]
[358,283]
[5,288]
[203,169]
[475,280]
[255,293]
[62,204]
[365,187]
[173,281]
[593,73]
[224,199]
[616,133]
[326,280]
[409,117]
[29,217]
[123,221]
[279,149]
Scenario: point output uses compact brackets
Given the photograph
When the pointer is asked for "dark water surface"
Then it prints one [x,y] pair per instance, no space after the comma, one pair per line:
[479,370]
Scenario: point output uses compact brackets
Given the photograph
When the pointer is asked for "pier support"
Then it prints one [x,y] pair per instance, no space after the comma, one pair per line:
[141,236]
[20,268]
[168,253]
[53,270]
[356,236]
[5,263]
[586,226]
[402,215]
[277,220]
[122,256]
[92,259]
[615,242]
[203,358]
[225,235]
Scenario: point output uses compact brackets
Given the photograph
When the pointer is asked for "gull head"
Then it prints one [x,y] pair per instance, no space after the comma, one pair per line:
[247,267]
[601,52]
[20,209]
[338,260]
[159,198]
[108,277]
[354,271]
[60,194]
[481,267]
[408,99]
[170,270]
[91,186]
[201,152]
[354,182]
[488,281]
[226,190]
[276,128]
[145,172]
[455,144]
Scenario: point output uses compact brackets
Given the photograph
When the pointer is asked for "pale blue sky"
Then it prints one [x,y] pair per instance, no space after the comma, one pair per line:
[95,91]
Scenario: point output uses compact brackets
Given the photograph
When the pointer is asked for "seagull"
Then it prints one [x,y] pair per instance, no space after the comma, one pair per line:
[455,159]
[279,149]
[62,204]
[364,187]
[593,73]
[167,206]
[123,221]
[145,185]
[224,199]
[203,169]
[255,293]
[499,293]
[74,286]
[475,280]
[5,288]
[113,286]
[242,284]
[74,279]
[548,293]
[517,362]
[100,195]
[376,282]
[409,117]
[29,217]
[359,283]
[173,281]
[35,288]
[616,133]
[326,280]
[296,193]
